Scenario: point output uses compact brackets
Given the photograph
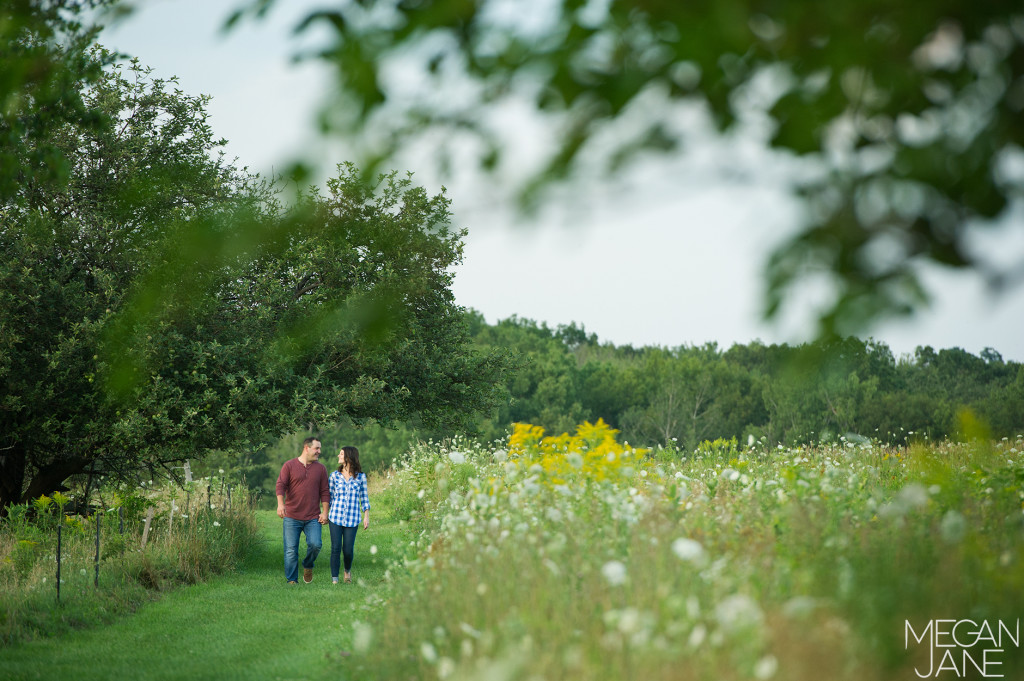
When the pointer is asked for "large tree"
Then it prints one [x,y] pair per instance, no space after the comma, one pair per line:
[912,112]
[158,302]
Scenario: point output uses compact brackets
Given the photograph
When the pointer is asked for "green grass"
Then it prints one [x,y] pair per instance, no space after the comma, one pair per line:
[245,625]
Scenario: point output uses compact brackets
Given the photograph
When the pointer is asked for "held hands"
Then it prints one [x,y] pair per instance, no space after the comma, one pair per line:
[323,518]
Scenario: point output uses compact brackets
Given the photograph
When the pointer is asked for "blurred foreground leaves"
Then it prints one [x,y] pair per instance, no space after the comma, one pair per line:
[910,114]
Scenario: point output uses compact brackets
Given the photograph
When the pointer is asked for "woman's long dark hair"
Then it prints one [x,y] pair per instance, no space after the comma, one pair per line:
[351,461]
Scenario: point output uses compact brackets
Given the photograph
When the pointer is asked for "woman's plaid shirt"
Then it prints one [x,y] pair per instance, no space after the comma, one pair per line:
[348,499]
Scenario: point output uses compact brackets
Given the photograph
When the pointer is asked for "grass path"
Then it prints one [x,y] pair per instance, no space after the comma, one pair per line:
[246,625]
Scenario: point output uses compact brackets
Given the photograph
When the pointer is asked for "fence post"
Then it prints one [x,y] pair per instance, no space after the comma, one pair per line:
[99,521]
[209,503]
[120,518]
[145,529]
[59,528]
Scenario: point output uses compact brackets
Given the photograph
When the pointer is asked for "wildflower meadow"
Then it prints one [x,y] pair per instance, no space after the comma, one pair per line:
[576,556]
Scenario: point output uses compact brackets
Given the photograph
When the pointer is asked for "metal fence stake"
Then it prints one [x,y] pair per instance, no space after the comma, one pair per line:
[99,521]
[59,533]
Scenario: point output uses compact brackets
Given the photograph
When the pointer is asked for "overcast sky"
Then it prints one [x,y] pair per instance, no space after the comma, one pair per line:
[671,255]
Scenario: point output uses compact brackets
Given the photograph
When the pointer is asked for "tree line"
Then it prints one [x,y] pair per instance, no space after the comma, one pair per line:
[785,393]
[678,397]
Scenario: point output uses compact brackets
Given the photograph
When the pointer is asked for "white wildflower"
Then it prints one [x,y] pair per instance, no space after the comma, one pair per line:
[738,611]
[362,636]
[428,651]
[766,667]
[615,572]
[445,667]
[689,550]
[457,457]
[629,621]
[697,636]
[913,495]
[953,527]
[799,606]
[373,549]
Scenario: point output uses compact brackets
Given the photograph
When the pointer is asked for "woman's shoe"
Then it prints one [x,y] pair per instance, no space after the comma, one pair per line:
[348,578]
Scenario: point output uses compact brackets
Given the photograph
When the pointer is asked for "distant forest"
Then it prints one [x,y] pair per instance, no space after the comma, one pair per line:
[786,394]
[681,396]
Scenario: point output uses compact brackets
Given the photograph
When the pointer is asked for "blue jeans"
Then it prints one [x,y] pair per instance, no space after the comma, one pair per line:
[292,529]
[343,539]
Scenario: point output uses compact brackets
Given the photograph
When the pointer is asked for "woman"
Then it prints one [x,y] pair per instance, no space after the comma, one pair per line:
[348,496]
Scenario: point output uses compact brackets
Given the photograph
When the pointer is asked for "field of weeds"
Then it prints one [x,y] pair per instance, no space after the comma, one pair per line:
[578,557]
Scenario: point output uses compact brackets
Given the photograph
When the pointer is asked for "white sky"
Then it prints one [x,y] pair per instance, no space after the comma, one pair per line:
[672,255]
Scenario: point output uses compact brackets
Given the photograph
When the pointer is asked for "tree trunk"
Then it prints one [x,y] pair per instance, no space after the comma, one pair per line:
[12,477]
[48,478]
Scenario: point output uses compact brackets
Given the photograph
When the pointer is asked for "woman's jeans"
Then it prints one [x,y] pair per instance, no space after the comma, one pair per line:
[343,539]
[292,529]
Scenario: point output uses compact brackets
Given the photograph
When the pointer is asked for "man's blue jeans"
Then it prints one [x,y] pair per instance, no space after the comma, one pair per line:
[292,529]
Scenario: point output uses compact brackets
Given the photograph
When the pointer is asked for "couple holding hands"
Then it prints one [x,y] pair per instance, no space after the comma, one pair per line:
[307,499]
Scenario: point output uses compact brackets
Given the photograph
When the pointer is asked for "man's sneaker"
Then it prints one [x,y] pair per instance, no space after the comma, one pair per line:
[307,575]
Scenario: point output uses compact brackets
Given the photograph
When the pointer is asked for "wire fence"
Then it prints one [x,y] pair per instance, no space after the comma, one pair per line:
[84,542]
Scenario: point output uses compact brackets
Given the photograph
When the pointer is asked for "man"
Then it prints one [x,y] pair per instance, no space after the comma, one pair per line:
[303,501]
